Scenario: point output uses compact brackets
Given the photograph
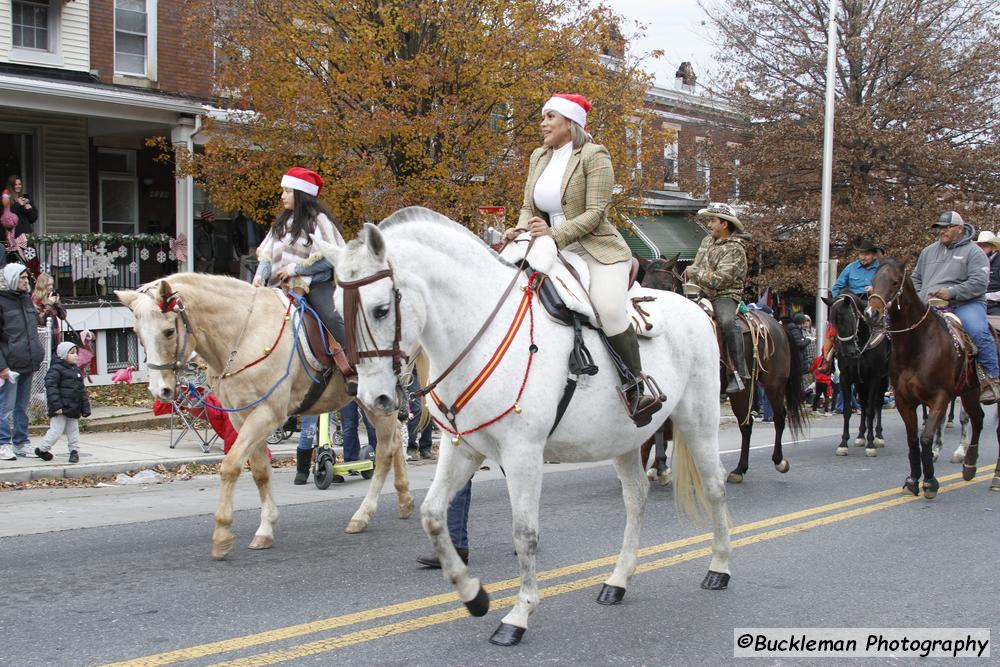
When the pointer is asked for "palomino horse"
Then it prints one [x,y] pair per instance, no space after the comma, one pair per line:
[245,335]
[773,363]
[420,279]
[864,363]
[924,368]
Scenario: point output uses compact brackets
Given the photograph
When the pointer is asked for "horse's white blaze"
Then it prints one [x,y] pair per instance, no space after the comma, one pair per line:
[450,282]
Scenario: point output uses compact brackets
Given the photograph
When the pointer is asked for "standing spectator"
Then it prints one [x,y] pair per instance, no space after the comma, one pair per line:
[47,303]
[805,323]
[21,206]
[246,236]
[21,352]
[418,445]
[458,527]
[821,374]
[67,401]
[350,418]
[309,426]
[766,411]
[204,243]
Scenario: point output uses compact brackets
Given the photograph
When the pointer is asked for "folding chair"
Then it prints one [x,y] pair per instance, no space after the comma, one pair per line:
[187,413]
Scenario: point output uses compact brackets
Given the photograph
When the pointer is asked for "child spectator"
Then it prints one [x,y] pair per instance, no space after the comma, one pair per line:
[67,399]
[821,371]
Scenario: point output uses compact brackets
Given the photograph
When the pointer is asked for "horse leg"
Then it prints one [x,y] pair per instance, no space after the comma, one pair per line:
[388,443]
[970,401]
[908,413]
[868,417]
[260,468]
[862,389]
[883,386]
[934,422]
[401,480]
[845,391]
[963,440]
[252,433]
[456,466]
[524,487]
[635,490]
[741,409]
[780,416]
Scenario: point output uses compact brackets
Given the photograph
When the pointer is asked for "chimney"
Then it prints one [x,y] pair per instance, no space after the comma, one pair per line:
[685,78]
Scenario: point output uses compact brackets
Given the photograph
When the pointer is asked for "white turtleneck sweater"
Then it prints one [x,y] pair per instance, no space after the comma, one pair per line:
[549,184]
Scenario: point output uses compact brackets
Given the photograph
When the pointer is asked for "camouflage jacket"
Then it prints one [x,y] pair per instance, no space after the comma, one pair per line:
[720,267]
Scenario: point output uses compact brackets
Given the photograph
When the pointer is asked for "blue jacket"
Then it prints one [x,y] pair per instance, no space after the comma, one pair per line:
[855,278]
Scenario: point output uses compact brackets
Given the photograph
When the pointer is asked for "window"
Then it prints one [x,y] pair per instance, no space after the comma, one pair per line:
[703,172]
[31,29]
[131,33]
[119,210]
[122,348]
[670,164]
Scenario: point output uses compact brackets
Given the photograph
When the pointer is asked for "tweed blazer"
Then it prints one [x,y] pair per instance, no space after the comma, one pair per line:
[586,196]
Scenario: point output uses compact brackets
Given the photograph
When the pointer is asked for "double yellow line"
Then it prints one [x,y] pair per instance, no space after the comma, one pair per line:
[868,504]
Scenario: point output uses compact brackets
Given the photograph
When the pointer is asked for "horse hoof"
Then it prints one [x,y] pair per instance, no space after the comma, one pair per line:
[507,635]
[355,526]
[406,509]
[859,442]
[879,442]
[968,472]
[479,605]
[957,457]
[735,478]
[931,487]
[665,478]
[910,486]
[842,451]
[261,542]
[651,474]
[715,581]
[222,546]
[934,458]
[871,452]
[610,595]
[995,484]
[782,467]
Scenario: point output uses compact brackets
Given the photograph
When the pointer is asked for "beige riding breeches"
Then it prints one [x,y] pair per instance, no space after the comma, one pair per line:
[608,290]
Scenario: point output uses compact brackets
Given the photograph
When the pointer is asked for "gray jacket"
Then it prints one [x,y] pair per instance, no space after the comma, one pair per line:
[963,268]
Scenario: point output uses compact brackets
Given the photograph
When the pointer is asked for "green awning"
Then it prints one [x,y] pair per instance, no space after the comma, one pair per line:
[671,233]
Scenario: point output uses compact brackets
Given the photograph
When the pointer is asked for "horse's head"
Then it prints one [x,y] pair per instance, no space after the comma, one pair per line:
[162,328]
[662,274]
[383,316]
[887,285]
[846,318]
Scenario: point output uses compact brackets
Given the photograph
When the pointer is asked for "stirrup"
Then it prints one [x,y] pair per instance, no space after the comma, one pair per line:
[735,385]
[639,406]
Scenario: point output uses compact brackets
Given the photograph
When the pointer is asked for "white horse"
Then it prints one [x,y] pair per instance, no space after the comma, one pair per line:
[440,285]
[245,335]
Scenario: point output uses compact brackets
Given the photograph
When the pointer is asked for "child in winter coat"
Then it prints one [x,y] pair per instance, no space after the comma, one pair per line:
[821,371]
[68,401]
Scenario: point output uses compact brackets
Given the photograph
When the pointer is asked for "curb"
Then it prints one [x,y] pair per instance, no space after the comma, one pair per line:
[127,423]
[79,470]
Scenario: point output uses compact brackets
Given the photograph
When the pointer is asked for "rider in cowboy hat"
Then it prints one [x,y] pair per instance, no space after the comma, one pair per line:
[720,270]
[857,276]
[957,270]
[990,243]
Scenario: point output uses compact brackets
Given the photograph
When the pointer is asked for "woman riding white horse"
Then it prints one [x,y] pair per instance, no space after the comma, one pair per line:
[567,195]
[421,280]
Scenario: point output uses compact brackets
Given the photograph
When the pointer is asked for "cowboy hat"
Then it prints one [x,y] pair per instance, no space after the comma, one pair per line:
[989,237]
[865,245]
[723,212]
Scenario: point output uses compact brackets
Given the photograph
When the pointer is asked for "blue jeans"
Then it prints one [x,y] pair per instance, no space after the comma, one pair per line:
[458,516]
[973,316]
[414,439]
[310,426]
[14,399]
[350,416]
[766,411]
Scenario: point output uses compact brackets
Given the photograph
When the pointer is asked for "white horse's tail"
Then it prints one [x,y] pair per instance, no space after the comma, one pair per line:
[689,492]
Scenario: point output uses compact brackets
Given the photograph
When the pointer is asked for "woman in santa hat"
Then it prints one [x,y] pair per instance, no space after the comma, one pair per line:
[289,261]
[567,196]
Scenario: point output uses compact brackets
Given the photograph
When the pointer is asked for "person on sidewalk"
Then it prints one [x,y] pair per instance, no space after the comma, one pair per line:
[458,527]
[418,444]
[67,401]
[22,353]
[350,419]
[309,425]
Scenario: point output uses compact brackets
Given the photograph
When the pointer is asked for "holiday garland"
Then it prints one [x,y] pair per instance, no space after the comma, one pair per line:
[124,239]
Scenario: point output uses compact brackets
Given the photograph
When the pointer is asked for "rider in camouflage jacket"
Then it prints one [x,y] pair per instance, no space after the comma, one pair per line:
[720,267]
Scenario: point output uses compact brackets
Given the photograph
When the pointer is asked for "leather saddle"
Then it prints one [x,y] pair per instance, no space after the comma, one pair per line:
[324,347]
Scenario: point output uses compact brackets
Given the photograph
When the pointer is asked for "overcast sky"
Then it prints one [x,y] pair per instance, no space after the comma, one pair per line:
[675,26]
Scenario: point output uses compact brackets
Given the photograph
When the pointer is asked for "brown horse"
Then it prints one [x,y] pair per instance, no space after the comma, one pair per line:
[779,371]
[924,368]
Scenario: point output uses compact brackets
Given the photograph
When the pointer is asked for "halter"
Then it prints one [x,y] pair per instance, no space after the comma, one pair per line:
[857,319]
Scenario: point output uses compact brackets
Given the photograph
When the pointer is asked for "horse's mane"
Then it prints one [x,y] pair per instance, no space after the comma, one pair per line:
[420,214]
[211,289]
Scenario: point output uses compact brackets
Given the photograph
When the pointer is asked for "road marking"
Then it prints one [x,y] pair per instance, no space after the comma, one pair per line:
[334,622]
[409,625]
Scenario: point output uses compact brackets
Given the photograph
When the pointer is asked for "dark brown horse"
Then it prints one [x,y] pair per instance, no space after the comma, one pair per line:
[779,371]
[924,368]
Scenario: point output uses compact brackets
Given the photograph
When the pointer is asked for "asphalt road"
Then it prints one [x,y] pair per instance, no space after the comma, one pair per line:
[98,576]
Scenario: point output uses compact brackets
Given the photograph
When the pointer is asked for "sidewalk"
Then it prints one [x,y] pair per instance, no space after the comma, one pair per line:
[108,452]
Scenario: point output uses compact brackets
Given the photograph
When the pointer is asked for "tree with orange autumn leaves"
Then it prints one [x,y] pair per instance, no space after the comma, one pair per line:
[398,103]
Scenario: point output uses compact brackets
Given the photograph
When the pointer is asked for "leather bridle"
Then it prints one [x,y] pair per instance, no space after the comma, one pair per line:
[173,304]
[353,305]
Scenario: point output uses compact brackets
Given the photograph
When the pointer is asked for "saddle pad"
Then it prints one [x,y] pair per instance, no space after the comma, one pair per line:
[646,318]
[958,334]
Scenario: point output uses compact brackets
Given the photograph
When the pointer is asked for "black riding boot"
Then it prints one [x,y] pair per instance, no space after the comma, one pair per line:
[734,343]
[642,406]
[303,461]
[320,299]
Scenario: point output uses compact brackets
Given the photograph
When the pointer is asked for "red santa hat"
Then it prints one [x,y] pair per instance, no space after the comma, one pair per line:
[299,178]
[574,107]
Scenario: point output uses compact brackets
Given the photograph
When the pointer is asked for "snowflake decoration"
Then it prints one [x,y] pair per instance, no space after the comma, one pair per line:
[29,253]
[161,257]
[77,251]
[144,253]
[64,257]
[122,250]
[133,267]
[171,255]
[100,264]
